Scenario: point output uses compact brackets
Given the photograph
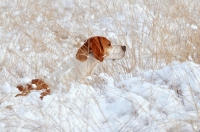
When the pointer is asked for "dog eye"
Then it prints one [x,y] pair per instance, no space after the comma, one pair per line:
[109,44]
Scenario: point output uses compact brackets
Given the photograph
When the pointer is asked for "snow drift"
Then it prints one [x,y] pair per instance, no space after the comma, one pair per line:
[162,100]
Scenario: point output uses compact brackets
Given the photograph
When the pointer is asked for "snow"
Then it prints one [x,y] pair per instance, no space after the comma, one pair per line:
[149,101]
[192,26]
[140,100]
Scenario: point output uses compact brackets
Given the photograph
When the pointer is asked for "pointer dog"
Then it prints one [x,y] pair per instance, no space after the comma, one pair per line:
[94,51]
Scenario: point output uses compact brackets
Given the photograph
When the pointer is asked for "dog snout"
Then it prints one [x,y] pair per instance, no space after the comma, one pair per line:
[124,48]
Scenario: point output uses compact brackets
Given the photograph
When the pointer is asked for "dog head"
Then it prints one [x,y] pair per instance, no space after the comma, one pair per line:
[101,49]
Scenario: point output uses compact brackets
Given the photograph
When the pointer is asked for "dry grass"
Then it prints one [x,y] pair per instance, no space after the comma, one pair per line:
[160,32]
[172,33]
[37,35]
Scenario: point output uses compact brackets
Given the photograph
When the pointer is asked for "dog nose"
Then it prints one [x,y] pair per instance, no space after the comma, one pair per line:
[124,48]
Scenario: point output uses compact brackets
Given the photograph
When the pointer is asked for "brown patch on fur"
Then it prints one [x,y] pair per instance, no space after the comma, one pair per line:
[95,45]
[40,85]
[83,52]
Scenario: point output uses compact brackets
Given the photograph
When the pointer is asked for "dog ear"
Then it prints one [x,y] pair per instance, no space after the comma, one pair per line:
[83,52]
[96,47]
[92,45]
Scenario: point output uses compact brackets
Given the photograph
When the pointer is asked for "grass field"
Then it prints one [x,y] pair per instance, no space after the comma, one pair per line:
[37,37]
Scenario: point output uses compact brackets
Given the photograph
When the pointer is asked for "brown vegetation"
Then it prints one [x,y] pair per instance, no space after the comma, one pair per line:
[36,84]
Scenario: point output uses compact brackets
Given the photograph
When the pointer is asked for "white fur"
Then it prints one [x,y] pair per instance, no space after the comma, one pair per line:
[115,53]
[76,70]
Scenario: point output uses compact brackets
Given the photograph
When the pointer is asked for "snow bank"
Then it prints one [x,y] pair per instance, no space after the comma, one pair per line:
[158,101]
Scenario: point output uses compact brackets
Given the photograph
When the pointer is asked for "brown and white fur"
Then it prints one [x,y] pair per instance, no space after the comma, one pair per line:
[94,51]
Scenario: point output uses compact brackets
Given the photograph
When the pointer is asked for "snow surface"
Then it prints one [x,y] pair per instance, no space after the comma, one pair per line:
[162,100]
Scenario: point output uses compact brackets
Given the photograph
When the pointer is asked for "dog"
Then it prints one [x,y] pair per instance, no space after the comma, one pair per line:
[94,51]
